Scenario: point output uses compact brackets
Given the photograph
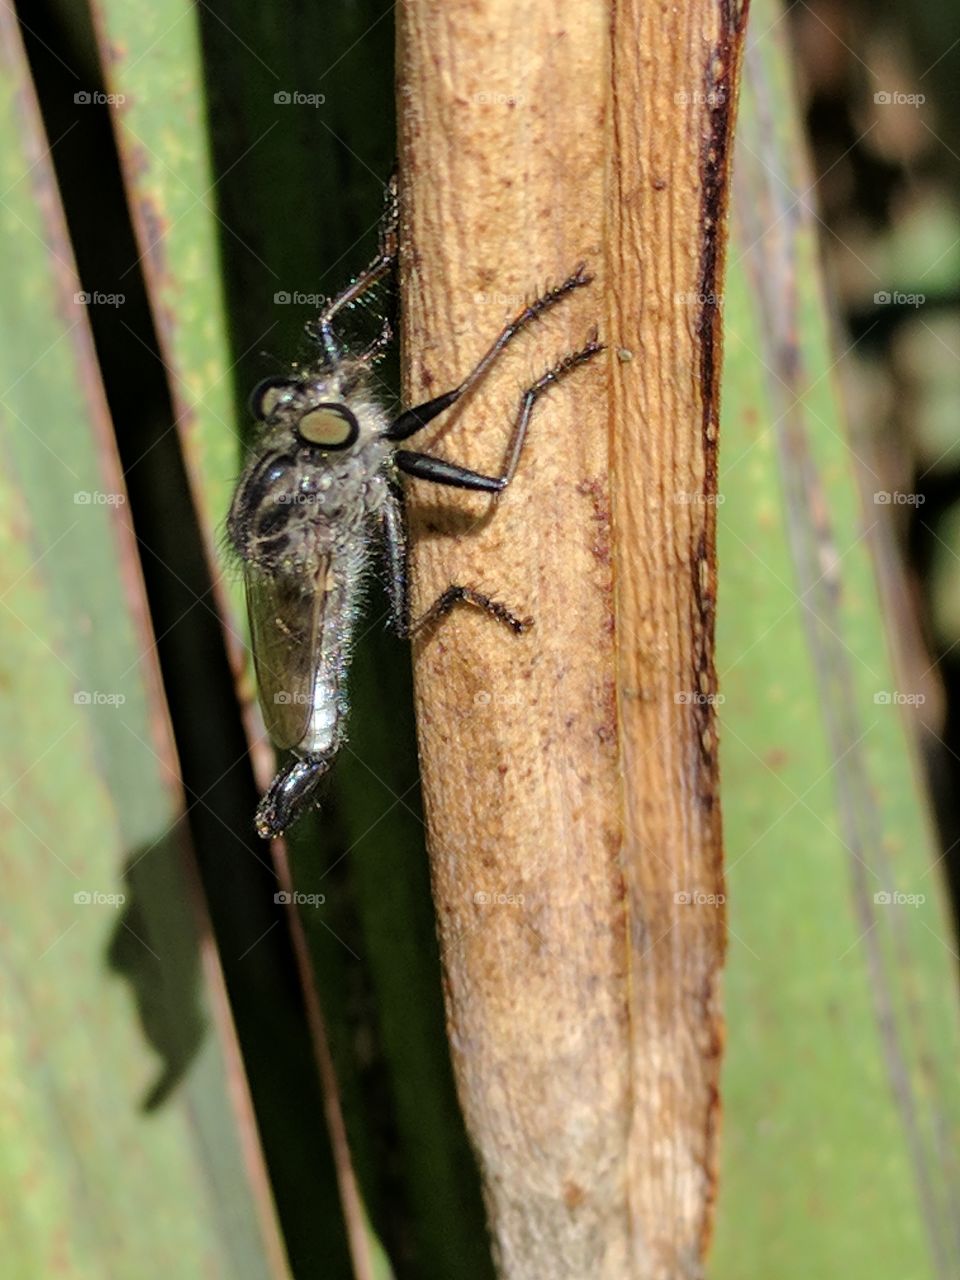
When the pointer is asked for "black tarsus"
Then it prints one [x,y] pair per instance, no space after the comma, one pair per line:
[457,594]
[395,544]
[411,420]
[426,467]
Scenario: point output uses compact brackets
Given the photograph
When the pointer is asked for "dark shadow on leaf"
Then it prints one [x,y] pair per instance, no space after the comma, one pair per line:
[155,948]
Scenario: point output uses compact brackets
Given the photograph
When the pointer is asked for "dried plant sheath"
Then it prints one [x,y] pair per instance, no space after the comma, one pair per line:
[570,775]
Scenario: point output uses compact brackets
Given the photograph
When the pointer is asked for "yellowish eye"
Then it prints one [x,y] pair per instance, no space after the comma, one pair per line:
[331,426]
[268,395]
[271,398]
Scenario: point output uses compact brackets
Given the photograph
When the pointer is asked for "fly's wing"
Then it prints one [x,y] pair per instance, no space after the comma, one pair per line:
[286,624]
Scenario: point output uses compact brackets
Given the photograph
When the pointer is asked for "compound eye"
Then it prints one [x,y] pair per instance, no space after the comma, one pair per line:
[331,426]
[268,395]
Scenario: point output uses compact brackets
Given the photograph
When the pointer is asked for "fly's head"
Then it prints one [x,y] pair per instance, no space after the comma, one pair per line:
[320,411]
[319,438]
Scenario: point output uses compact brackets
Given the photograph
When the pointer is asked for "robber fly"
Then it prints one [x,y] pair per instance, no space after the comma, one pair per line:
[320,486]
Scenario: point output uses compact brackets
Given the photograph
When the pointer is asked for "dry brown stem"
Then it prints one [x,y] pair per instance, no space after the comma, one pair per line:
[570,775]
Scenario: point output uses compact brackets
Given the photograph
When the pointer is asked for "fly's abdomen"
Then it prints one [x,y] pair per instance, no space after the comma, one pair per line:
[323,732]
[302,626]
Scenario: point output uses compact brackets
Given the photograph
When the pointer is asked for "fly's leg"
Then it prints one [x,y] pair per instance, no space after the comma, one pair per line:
[426,467]
[441,472]
[384,264]
[412,420]
[394,533]
[398,583]
[289,795]
[456,594]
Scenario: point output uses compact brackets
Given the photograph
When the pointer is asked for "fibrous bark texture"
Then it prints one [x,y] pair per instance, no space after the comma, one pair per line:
[570,774]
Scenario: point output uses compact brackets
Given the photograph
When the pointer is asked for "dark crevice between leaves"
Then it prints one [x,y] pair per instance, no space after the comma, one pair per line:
[299,194]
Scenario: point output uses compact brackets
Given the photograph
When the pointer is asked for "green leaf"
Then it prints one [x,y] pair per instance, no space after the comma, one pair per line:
[839,1084]
[127,1144]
